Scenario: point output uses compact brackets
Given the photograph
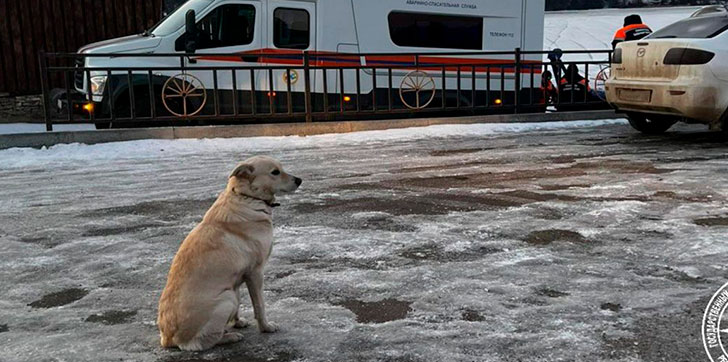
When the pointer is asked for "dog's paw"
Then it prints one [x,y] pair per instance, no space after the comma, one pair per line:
[240,324]
[268,328]
[231,337]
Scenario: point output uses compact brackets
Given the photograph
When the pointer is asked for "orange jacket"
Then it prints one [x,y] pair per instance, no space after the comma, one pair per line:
[631,32]
[565,81]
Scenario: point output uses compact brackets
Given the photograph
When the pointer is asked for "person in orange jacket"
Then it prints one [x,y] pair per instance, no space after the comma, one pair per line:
[550,92]
[633,29]
[572,77]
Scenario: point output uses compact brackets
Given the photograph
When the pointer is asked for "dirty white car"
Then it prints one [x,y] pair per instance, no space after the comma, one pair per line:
[679,73]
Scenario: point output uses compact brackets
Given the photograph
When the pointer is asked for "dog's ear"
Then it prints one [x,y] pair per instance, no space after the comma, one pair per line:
[243,170]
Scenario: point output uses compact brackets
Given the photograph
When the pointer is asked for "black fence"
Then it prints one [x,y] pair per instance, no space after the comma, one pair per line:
[193,89]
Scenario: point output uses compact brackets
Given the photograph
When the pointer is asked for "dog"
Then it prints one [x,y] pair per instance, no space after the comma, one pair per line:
[199,306]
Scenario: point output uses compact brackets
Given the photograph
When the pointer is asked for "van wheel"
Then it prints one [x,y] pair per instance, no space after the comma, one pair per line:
[652,125]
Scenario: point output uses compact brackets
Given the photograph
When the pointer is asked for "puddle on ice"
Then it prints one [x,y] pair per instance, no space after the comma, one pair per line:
[378,312]
[61,298]
[546,237]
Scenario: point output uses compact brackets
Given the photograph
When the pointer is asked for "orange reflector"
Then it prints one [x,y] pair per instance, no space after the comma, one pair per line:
[498,102]
[347,99]
[271,94]
[88,107]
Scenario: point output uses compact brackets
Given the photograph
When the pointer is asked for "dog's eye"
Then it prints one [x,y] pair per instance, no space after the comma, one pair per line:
[276,172]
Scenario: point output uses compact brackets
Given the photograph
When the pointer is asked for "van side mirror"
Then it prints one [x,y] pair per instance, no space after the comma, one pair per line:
[190,32]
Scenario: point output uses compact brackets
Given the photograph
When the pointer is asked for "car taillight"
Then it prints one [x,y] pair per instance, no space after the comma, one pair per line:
[687,56]
[617,56]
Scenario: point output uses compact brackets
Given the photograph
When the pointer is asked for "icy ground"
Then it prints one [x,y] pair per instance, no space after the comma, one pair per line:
[552,242]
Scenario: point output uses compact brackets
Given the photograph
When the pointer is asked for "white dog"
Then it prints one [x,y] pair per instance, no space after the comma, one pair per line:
[199,305]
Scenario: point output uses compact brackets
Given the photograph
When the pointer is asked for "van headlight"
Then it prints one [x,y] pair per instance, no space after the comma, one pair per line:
[98,84]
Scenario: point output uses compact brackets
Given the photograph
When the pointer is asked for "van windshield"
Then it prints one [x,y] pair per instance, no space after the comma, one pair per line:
[176,20]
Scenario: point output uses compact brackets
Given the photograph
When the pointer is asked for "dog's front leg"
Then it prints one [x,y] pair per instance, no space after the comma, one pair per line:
[255,289]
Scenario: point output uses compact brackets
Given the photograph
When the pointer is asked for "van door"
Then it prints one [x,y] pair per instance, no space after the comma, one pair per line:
[233,27]
[291,31]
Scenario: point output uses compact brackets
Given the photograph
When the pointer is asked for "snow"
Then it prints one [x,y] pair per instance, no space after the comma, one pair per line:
[29,157]
[594,29]
[14,128]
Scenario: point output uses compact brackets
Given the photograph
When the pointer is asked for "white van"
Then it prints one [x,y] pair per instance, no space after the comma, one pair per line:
[274,34]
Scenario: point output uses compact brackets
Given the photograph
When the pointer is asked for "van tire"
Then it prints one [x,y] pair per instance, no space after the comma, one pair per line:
[652,124]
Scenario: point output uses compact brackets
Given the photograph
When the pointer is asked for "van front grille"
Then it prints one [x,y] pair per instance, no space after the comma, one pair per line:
[78,76]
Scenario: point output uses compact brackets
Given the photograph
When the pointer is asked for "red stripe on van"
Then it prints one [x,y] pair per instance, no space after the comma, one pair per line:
[333,60]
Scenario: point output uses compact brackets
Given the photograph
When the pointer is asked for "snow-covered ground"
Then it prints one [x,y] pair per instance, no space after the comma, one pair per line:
[594,29]
[549,242]
[13,128]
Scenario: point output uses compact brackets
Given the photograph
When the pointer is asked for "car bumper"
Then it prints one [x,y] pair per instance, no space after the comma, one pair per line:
[700,102]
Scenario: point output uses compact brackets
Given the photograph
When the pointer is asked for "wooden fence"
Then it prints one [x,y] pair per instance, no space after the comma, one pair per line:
[29,26]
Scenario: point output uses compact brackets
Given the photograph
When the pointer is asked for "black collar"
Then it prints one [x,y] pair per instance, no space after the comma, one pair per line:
[267,202]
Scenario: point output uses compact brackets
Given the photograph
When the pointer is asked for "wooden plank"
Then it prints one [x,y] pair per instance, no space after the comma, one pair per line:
[79,23]
[100,21]
[157,8]
[149,18]
[61,26]
[65,24]
[139,16]
[57,24]
[30,56]
[17,44]
[121,19]
[7,64]
[49,36]
[36,22]
[109,18]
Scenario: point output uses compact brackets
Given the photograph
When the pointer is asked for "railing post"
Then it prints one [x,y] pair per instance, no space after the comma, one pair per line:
[43,61]
[517,87]
[307,85]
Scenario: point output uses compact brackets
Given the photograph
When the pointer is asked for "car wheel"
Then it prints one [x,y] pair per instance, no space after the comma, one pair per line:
[724,124]
[650,125]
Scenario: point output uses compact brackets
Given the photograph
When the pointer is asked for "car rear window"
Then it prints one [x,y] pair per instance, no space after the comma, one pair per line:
[694,28]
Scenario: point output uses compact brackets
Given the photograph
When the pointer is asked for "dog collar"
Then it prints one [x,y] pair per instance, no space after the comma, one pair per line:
[267,202]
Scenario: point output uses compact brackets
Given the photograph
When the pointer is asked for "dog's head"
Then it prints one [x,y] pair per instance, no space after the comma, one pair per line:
[262,178]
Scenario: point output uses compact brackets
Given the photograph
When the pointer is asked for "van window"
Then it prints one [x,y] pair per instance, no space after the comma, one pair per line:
[436,31]
[291,28]
[694,28]
[226,26]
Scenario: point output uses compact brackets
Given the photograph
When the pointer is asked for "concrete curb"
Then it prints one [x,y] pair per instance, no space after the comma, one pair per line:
[37,140]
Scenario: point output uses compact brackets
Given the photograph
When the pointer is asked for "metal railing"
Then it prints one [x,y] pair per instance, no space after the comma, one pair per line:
[305,86]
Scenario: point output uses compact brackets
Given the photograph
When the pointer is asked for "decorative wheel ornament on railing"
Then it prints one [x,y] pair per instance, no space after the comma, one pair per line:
[417,90]
[600,82]
[184,95]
